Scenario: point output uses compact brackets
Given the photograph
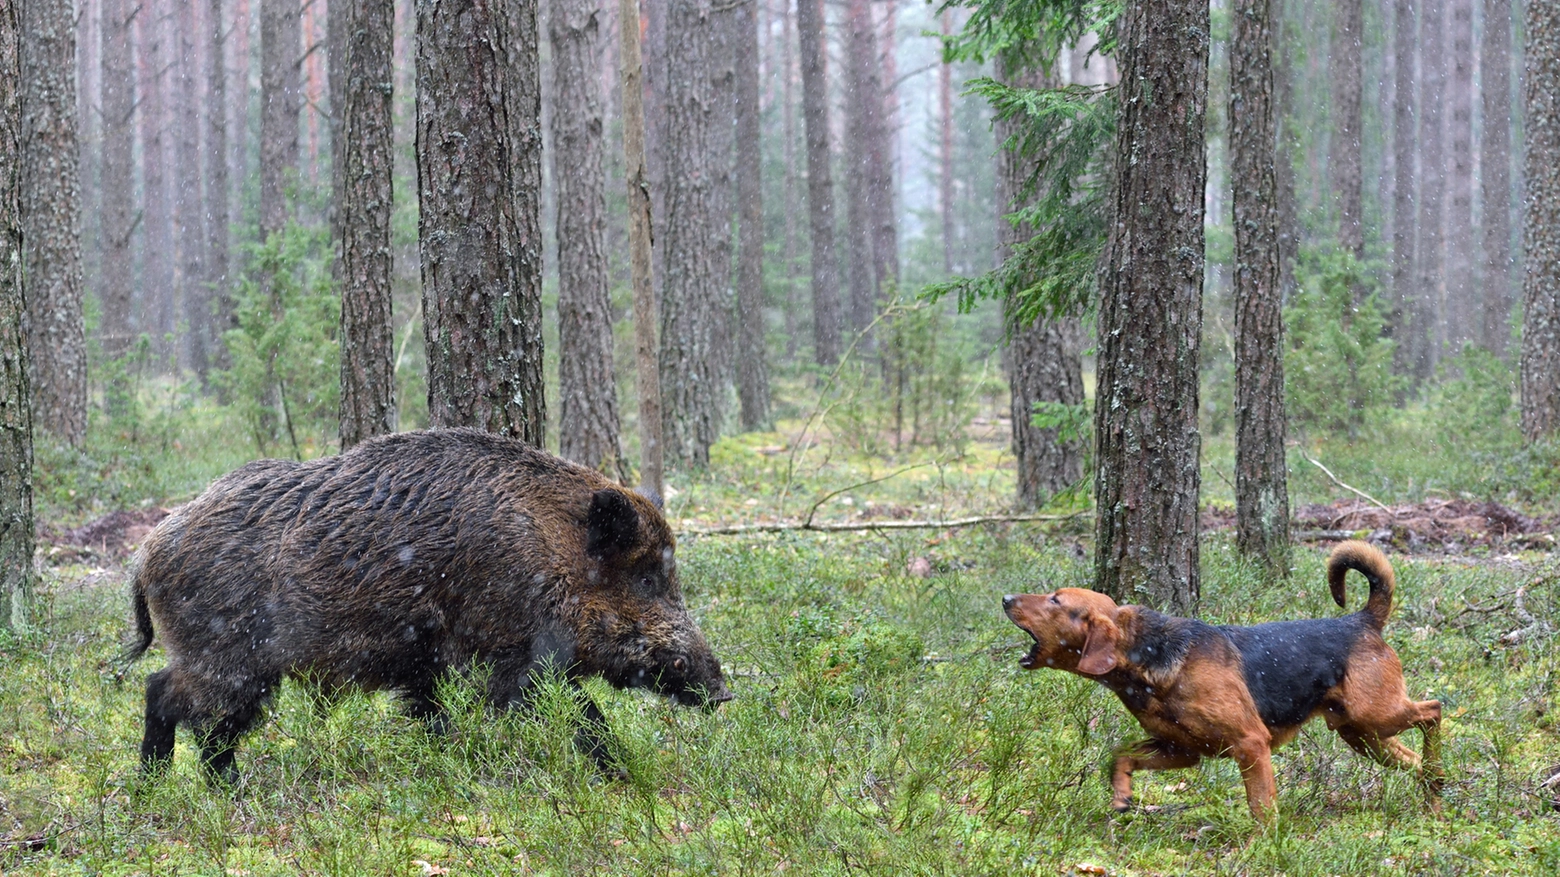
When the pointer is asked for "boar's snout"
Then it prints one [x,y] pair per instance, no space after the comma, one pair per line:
[697,680]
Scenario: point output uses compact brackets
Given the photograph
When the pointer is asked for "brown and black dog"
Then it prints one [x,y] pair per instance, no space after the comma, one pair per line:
[1202,690]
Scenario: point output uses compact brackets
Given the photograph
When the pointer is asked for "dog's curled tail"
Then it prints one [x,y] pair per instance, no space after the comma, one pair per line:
[1370,562]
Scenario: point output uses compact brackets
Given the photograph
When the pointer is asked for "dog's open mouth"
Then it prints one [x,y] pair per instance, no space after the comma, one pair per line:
[1031,659]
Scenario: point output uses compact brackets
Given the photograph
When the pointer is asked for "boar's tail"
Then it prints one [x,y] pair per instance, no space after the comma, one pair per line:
[143,622]
[1370,562]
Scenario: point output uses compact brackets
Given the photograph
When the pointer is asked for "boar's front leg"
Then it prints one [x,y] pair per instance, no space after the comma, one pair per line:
[594,738]
[163,714]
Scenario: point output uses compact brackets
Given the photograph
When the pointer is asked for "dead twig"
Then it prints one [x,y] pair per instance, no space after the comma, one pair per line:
[1355,490]
[857,527]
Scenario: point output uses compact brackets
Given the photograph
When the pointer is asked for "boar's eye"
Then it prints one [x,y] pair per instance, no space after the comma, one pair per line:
[679,665]
[647,584]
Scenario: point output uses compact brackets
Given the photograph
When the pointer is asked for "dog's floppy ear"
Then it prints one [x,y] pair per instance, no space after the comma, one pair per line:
[1099,646]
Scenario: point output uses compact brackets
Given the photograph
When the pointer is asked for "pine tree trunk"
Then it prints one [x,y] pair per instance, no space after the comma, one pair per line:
[156,274]
[1429,329]
[646,356]
[366,152]
[479,192]
[788,111]
[1406,300]
[218,312]
[587,381]
[1150,318]
[16,453]
[752,369]
[1261,477]
[1462,300]
[280,101]
[881,158]
[189,205]
[1344,153]
[1043,359]
[51,219]
[820,182]
[1495,173]
[695,234]
[119,215]
[945,146]
[1541,221]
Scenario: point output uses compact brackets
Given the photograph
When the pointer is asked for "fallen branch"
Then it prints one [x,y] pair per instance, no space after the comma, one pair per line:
[863,526]
[1355,490]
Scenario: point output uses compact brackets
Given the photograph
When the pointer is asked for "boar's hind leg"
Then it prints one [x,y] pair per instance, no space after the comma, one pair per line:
[217,739]
[164,711]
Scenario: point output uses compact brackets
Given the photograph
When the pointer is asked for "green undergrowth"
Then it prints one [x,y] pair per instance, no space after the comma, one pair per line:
[881,726]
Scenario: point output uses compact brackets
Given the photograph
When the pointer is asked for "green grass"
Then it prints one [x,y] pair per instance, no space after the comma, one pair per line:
[881,725]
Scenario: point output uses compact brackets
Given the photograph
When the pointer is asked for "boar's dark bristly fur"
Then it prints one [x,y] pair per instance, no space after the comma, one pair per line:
[407,558]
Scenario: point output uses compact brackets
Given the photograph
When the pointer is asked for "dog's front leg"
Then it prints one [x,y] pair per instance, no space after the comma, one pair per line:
[1256,768]
[1151,754]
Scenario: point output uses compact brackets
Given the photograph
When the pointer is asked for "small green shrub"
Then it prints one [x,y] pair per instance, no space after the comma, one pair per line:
[285,379]
[1337,365]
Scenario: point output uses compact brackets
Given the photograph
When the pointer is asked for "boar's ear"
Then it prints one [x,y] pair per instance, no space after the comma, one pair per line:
[649,493]
[611,525]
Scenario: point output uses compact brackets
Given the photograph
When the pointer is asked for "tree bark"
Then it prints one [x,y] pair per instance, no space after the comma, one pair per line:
[218,309]
[788,111]
[752,369]
[1150,320]
[1043,359]
[51,218]
[479,229]
[1495,173]
[1261,476]
[693,293]
[1406,300]
[1428,330]
[119,215]
[945,146]
[587,381]
[1462,301]
[280,102]
[366,156]
[156,287]
[820,182]
[861,89]
[646,356]
[189,205]
[16,453]
[1344,152]
[1541,221]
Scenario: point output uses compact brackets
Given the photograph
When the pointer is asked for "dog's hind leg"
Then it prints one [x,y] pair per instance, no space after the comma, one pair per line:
[1149,754]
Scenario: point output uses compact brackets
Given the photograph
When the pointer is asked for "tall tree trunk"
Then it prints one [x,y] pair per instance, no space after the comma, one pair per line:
[722,169]
[945,146]
[16,513]
[820,182]
[1284,155]
[1150,320]
[51,218]
[882,156]
[1541,221]
[1429,330]
[752,370]
[1495,173]
[587,381]
[280,101]
[119,216]
[1407,302]
[1261,477]
[366,159]
[696,232]
[479,191]
[1462,301]
[788,111]
[218,307]
[189,205]
[156,274]
[868,181]
[647,359]
[1043,359]
[1344,155]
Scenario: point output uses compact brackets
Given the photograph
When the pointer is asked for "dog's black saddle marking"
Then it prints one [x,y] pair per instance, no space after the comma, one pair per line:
[1290,665]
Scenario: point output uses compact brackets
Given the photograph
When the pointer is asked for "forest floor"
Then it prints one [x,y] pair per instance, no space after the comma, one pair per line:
[881,724]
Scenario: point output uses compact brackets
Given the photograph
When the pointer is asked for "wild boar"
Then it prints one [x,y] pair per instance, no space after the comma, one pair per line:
[391,566]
